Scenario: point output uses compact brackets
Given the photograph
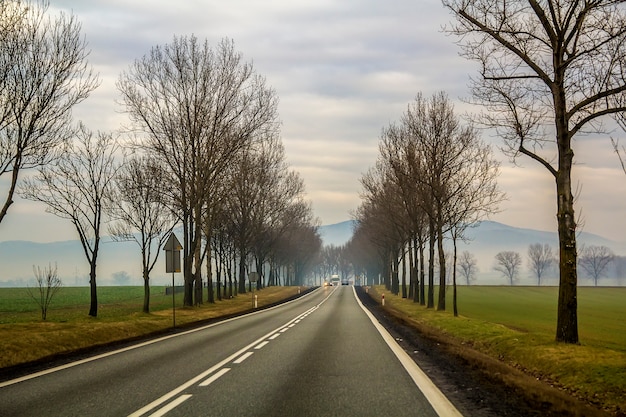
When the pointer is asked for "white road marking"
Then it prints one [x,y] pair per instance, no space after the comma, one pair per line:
[261,345]
[244,357]
[274,336]
[440,403]
[178,401]
[214,377]
[284,330]
[215,367]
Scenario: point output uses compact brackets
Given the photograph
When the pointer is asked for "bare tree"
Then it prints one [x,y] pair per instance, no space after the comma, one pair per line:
[594,260]
[549,71]
[508,264]
[198,108]
[142,213]
[540,259]
[43,74]
[48,284]
[77,188]
[468,266]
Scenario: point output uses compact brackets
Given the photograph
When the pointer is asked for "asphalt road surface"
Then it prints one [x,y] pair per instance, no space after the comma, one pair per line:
[320,355]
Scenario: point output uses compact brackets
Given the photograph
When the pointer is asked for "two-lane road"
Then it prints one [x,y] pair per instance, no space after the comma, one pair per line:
[320,355]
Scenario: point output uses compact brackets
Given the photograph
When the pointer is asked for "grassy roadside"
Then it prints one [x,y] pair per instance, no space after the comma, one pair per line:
[25,338]
[515,326]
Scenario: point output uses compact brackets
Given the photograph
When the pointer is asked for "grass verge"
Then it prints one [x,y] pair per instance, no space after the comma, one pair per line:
[515,326]
[25,338]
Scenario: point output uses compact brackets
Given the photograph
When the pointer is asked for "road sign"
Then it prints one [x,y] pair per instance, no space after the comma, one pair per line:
[172,243]
[172,254]
[253,277]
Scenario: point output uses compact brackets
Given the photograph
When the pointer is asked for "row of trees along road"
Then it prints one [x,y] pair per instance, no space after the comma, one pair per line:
[433,178]
[205,153]
[549,71]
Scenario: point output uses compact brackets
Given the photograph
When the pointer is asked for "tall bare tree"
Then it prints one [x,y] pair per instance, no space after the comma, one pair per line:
[141,213]
[198,107]
[550,70]
[540,259]
[594,260]
[77,188]
[508,264]
[43,74]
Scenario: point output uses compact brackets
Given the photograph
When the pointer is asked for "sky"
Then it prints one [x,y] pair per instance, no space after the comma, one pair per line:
[343,70]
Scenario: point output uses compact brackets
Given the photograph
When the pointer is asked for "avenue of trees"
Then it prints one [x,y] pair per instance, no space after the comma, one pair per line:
[434,178]
[549,72]
[204,155]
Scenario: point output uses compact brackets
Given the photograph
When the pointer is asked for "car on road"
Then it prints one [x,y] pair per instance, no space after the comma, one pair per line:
[345,281]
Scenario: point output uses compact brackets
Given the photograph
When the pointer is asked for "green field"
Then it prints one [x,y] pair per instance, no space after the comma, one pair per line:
[16,305]
[517,325]
[24,337]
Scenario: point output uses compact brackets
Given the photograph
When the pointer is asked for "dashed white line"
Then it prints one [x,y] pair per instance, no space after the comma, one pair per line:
[209,371]
[214,377]
[261,345]
[274,336]
[178,401]
[243,357]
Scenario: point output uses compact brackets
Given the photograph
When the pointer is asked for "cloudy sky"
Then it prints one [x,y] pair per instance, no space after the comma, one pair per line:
[343,69]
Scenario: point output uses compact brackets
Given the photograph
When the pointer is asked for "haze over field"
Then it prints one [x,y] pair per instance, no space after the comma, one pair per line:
[119,261]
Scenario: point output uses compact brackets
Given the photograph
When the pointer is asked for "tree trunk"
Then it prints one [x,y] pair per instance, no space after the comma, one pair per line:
[422,275]
[242,271]
[93,307]
[441,302]
[454,298]
[431,265]
[146,290]
[404,294]
[567,316]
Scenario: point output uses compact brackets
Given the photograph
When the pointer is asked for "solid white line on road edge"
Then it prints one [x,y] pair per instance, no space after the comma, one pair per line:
[115,352]
[440,403]
[214,377]
[261,345]
[209,371]
[243,357]
[178,401]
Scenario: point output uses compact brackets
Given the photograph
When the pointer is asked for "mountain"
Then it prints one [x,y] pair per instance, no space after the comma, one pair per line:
[337,234]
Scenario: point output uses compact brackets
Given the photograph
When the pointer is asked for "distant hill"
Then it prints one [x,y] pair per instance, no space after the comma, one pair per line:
[119,262]
[337,234]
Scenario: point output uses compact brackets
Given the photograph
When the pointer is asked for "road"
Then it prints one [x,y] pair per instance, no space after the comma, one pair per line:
[319,355]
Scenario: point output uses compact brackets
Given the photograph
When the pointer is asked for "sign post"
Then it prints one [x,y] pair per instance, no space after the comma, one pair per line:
[172,250]
[253,277]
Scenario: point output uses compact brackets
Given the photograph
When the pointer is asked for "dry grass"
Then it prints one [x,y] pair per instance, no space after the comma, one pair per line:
[25,340]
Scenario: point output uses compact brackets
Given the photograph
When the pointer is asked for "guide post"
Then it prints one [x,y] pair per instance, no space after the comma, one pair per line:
[172,250]
[253,277]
